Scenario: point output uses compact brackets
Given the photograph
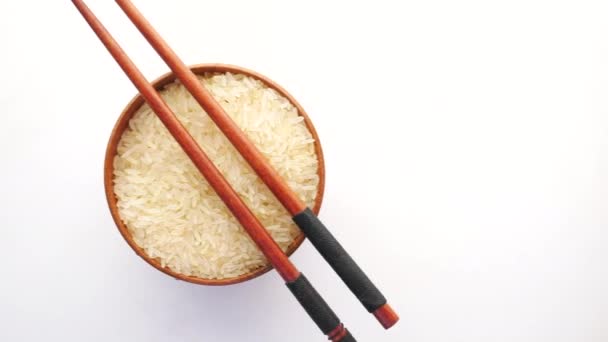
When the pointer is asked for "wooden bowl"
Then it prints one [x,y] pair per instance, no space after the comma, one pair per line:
[123,123]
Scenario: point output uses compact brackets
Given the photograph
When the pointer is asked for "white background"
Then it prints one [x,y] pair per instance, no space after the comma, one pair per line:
[466,145]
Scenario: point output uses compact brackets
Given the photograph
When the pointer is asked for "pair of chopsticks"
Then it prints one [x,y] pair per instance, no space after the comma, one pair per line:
[313,228]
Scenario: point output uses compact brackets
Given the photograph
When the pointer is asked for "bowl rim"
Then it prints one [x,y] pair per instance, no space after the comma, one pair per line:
[122,124]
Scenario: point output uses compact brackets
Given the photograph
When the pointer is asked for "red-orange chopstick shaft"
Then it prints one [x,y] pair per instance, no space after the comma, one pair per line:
[254,228]
[231,130]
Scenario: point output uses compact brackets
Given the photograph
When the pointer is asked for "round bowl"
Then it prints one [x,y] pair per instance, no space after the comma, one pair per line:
[123,123]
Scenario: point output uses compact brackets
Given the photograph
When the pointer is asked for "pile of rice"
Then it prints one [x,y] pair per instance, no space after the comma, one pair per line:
[170,209]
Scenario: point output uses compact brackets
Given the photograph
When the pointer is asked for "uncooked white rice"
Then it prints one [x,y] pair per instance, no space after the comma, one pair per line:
[170,209]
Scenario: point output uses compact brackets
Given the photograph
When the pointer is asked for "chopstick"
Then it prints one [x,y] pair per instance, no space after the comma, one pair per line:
[327,245]
[304,292]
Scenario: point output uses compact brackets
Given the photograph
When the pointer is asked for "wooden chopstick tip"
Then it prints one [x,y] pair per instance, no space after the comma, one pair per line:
[386,316]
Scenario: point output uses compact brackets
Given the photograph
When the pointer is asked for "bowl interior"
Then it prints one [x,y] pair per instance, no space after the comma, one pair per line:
[123,123]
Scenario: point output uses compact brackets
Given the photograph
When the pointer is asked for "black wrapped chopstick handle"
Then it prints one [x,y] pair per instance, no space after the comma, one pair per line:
[340,261]
[318,310]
